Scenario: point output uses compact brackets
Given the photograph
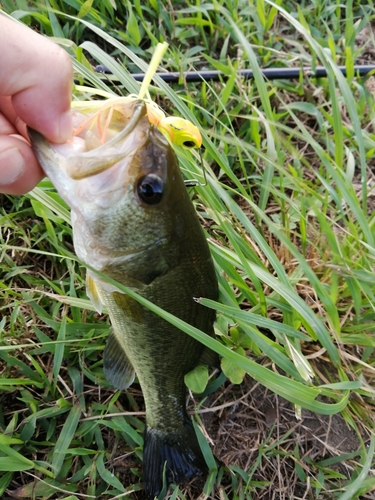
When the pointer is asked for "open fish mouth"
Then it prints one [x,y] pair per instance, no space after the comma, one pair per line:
[96,160]
[89,163]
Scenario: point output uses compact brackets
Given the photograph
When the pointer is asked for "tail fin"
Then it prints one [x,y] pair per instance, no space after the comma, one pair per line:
[179,451]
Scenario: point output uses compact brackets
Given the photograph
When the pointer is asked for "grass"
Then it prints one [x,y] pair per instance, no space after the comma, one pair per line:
[289,214]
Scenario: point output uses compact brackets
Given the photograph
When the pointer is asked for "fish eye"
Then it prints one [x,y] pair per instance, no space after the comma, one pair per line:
[150,189]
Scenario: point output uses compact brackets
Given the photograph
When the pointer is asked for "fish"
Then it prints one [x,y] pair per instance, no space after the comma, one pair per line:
[133,220]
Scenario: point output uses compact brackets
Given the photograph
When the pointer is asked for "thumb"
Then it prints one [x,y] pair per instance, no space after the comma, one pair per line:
[37,73]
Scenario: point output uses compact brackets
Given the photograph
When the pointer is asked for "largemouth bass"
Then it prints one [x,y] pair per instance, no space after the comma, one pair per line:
[133,221]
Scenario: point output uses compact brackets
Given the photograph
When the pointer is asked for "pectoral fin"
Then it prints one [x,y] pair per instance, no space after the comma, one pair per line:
[93,292]
[117,368]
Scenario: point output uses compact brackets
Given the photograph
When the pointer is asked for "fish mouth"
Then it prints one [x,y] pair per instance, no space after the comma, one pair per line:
[86,169]
[88,164]
[81,165]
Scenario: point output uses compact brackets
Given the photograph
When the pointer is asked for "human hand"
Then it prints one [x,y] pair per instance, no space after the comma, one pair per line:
[35,90]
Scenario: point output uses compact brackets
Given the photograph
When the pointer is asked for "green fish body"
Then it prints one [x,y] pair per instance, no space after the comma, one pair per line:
[134,222]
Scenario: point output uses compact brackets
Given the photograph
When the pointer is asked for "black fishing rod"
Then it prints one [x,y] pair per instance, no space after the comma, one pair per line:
[268,73]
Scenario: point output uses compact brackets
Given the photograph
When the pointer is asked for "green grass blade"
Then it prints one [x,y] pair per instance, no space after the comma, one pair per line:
[356,485]
[65,438]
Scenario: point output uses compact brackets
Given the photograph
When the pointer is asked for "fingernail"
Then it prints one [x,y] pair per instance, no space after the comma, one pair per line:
[66,126]
[12,166]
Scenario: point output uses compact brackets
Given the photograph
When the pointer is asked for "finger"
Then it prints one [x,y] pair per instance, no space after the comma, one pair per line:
[37,73]
[15,155]
[7,127]
[10,122]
